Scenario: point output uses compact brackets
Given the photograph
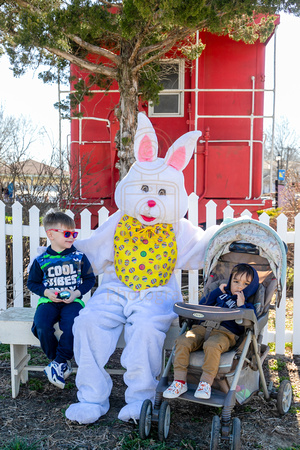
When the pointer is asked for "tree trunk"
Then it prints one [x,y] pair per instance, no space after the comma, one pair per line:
[126,113]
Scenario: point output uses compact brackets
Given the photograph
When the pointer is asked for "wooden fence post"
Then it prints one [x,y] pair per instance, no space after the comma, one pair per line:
[17,254]
[228,213]
[296,318]
[85,232]
[102,217]
[3,289]
[280,312]
[34,237]
[211,213]
[193,274]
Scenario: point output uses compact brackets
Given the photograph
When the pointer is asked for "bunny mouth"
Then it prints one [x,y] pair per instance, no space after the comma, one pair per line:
[148,219]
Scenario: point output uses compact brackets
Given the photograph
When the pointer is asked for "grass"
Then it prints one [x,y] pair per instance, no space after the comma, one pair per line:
[37,357]
[4,352]
[134,442]
[294,447]
[17,444]
[35,384]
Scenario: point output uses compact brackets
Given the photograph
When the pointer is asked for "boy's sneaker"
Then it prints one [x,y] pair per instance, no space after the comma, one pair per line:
[203,390]
[67,370]
[55,373]
[175,390]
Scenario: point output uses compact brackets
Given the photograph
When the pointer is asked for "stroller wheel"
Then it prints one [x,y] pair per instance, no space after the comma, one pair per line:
[145,419]
[284,397]
[164,420]
[236,434]
[215,433]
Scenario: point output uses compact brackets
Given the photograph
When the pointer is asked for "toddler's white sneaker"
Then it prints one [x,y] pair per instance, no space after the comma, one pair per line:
[203,390]
[175,390]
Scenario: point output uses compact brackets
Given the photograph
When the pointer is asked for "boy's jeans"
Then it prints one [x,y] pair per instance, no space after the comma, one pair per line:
[46,315]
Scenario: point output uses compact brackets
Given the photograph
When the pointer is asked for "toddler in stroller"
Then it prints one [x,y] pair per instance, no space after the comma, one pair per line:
[239,372]
[243,283]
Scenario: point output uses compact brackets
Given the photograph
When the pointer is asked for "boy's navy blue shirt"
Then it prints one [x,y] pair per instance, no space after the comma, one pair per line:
[227,300]
[69,269]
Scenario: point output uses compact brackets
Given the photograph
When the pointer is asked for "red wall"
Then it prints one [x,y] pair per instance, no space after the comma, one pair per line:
[223,170]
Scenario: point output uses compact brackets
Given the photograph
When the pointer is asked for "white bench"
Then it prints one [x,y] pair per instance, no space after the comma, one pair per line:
[15,330]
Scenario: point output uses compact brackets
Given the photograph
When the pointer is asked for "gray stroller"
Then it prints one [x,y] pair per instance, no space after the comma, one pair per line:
[240,373]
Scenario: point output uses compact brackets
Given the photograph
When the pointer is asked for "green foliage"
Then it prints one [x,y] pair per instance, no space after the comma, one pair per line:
[277,365]
[37,357]
[294,447]
[35,384]
[43,32]
[132,441]
[272,346]
[20,444]
[289,279]
[289,346]
[4,352]
[272,213]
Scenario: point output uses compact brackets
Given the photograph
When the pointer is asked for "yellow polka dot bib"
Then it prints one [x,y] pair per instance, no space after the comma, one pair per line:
[145,256]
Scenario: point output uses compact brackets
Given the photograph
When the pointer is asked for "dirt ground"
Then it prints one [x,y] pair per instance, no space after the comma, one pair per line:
[35,419]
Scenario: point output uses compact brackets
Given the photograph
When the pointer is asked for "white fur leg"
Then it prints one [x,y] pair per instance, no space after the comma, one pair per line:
[131,411]
[86,412]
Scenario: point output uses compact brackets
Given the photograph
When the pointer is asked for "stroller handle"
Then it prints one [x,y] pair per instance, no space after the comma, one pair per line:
[215,313]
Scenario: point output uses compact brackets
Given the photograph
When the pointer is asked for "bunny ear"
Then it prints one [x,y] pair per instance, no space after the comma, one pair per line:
[180,153]
[145,141]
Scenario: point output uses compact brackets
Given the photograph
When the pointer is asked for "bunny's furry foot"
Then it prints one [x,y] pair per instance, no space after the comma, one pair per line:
[130,411]
[86,412]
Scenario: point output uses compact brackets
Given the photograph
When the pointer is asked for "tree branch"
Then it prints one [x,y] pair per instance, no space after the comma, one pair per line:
[139,42]
[164,47]
[27,5]
[95,49]
[175,35]
[109,72]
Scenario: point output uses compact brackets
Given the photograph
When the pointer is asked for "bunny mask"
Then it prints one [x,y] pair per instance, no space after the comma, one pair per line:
[153,190]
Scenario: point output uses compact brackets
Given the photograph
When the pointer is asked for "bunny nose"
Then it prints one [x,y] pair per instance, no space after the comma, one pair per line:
[151,203]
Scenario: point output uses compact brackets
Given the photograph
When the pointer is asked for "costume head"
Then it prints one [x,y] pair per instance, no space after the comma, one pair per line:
[153,190]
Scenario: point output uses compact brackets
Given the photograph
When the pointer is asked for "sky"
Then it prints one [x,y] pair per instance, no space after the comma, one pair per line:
[32,98]
[287,99]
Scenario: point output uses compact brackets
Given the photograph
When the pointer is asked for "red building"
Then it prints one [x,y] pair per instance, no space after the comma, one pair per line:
[221,94]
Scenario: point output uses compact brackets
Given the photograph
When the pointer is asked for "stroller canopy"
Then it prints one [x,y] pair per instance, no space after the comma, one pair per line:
[254,232]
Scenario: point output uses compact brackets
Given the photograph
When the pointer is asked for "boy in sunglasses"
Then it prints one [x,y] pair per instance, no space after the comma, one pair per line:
[60,277]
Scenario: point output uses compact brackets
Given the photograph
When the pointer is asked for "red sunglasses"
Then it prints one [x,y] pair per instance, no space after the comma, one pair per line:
[66,233]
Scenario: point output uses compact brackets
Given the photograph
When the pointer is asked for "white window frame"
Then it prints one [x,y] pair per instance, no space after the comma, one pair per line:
[179,91]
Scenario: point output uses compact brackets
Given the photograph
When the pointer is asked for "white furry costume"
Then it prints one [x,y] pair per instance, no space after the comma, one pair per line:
[153,193]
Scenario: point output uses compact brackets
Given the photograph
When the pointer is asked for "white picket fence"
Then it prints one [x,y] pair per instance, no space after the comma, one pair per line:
[34,231]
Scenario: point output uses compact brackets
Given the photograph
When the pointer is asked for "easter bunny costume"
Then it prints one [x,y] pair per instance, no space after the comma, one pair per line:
[137,250]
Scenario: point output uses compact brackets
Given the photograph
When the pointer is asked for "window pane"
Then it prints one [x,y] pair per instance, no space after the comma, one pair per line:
[170,76]
[167,104]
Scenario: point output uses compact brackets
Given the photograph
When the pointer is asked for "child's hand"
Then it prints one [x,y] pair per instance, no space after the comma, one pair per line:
[73,295]
[240,298]
[52,295]
[222,287]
